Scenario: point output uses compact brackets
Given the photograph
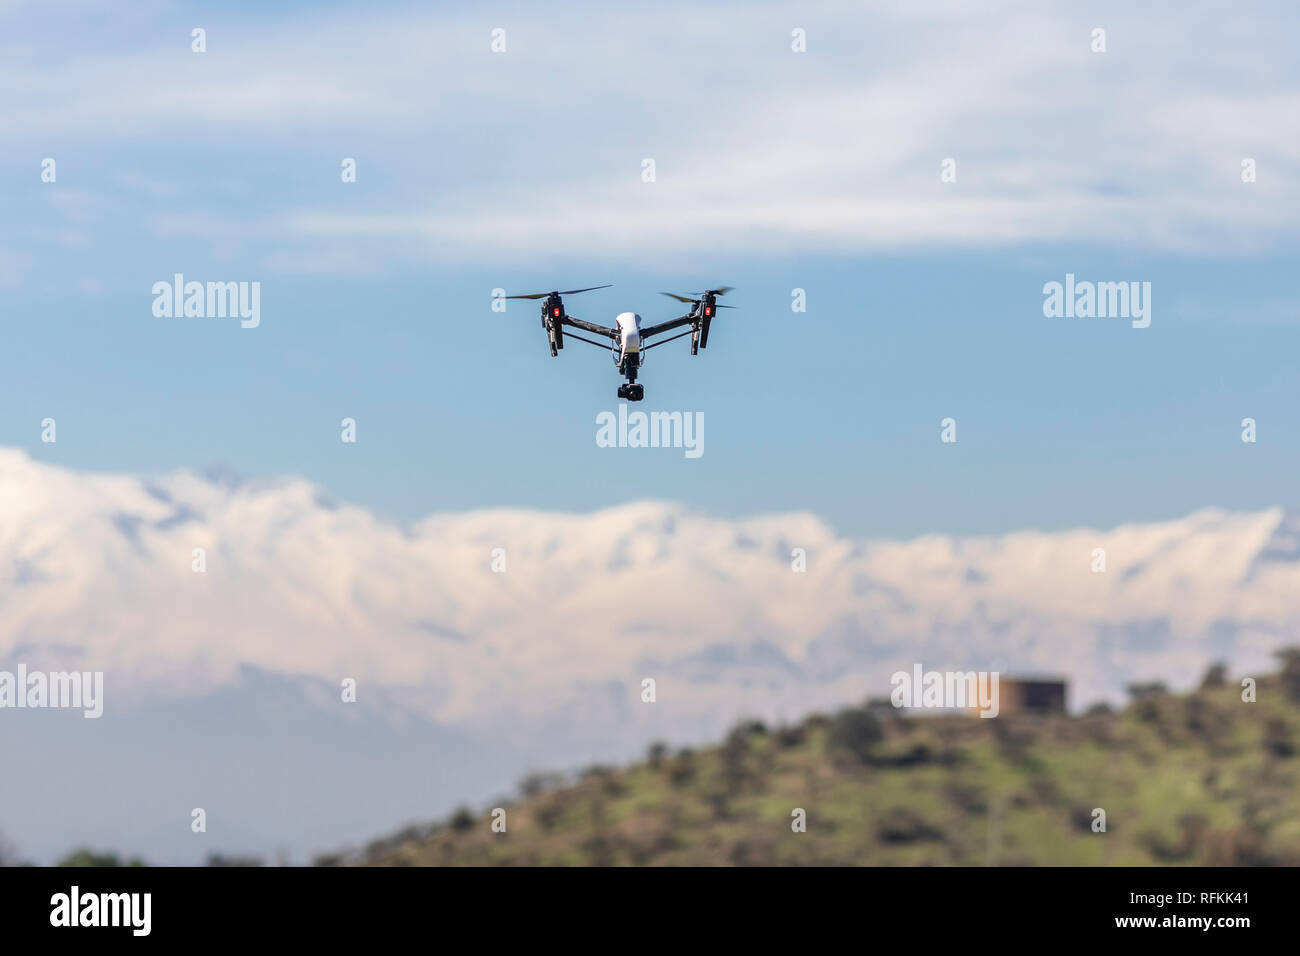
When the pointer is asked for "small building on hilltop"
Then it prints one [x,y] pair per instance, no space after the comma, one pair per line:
[1031,695]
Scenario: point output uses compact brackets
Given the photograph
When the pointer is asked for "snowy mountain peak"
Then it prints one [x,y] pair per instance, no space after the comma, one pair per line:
[301,587]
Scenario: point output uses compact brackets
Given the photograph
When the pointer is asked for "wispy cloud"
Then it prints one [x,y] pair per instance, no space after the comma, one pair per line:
[465,154]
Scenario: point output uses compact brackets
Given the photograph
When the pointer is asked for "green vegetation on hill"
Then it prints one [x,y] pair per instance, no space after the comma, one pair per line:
[1198,779]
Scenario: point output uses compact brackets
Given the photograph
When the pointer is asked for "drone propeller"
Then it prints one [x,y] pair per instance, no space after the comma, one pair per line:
[543,295]
[693,301]
[695,296]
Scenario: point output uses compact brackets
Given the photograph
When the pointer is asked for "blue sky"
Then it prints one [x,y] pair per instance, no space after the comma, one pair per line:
[775,170]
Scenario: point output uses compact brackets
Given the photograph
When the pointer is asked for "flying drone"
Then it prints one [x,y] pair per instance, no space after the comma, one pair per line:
[627,339]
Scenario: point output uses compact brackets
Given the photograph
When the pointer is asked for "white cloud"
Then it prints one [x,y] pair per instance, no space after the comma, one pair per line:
[468,154]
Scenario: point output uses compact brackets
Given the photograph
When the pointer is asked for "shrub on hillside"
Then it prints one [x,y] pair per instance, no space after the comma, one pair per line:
[856,731]
[462,820]
[1290,658]
[656,754]
[1215,677]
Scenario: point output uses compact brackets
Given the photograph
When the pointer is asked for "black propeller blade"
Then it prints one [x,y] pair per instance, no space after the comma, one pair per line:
[543,295]
[685,298]
[696,296]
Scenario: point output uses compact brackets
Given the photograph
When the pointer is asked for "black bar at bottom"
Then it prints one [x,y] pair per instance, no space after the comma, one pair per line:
[966,906]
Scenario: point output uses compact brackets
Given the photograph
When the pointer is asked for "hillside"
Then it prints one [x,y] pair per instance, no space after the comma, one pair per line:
[1202,778]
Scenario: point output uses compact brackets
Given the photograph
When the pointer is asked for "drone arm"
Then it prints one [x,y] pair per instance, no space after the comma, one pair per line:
[667,326]
[590,327]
